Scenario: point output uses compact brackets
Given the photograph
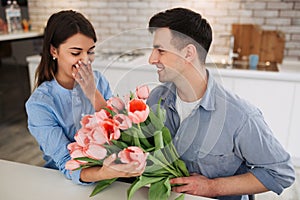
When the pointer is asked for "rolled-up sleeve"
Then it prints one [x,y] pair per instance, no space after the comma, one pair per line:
[50,136]
[266,157]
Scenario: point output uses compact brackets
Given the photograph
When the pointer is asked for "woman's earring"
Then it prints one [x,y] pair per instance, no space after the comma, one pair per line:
[54,58]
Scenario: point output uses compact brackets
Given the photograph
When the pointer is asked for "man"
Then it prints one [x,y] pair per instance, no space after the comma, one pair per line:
[228,148]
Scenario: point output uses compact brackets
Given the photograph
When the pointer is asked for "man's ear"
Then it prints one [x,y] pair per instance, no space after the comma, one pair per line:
[190,52]
[53,51]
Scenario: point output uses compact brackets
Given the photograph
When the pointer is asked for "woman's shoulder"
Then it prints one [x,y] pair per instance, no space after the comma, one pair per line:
[42,93]
[99,76]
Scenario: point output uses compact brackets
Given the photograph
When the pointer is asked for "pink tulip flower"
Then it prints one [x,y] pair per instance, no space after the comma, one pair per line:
[96,151]
[72,165]
[98,136]
[88,122]
[82,137]
[133,154]
[142,92]
[123,121]
[73,146]
[77,153]
[138,111]
[101,115]
[111,130]
[126,99]
[116,104]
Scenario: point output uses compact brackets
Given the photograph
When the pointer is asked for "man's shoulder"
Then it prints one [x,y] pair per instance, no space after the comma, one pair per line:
[158,92]
[235,102]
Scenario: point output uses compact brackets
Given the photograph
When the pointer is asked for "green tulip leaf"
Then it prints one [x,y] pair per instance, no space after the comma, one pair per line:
[141,182]
[89,160]
[158,140]
[160,190]
[180,197]
[101,185]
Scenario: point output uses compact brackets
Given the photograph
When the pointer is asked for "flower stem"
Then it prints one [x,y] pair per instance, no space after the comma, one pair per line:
[166,167]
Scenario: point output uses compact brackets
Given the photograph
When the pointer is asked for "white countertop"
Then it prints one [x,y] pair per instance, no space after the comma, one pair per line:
[20,35]
[23,182]
[288,70]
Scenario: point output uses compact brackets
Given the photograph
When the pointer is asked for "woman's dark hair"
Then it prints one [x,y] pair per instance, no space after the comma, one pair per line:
[59,28]
[187,27]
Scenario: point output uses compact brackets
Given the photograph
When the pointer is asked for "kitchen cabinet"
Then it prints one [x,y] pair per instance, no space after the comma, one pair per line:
[273,98]
[117,79]
[122,79]
[228,83]
[293,142]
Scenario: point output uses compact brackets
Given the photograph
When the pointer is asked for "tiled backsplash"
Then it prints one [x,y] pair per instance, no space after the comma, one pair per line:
[121,25]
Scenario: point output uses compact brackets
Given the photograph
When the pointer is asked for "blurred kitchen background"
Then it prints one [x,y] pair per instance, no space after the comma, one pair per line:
[268,28]
[110,18]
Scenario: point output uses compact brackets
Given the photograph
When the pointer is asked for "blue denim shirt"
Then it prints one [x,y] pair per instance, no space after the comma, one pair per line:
[225,136]
[54,115]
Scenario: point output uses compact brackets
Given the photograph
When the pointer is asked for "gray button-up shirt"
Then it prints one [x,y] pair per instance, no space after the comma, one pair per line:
[225,136]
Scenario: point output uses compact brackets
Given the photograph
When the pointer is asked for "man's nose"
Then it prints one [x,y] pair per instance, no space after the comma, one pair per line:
[153,58]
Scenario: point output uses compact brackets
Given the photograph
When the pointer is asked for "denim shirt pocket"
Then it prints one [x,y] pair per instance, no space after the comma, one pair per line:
[217,163]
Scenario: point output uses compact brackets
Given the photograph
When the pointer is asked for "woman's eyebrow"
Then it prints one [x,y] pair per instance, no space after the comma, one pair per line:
[77,48]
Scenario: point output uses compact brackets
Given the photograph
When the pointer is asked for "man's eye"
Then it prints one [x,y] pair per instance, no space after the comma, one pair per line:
[160,50]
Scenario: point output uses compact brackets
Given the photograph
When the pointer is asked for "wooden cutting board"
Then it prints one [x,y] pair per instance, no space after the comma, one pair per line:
[247,39]
[272,46]
[251,39]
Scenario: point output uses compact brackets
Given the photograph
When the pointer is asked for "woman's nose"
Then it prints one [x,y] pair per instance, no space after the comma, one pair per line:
[85,58]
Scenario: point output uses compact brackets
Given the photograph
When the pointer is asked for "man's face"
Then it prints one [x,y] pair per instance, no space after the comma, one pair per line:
[168,60]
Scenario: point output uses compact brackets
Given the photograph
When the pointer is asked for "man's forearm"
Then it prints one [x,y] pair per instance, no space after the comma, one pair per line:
[238,185]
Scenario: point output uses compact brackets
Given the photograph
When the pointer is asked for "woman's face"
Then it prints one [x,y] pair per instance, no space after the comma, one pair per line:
[76,48]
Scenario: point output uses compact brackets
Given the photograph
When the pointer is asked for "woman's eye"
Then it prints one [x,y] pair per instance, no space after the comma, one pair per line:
[75,54]
[91,52]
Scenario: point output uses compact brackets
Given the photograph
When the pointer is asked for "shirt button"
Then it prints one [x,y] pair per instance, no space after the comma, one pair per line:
[176,138]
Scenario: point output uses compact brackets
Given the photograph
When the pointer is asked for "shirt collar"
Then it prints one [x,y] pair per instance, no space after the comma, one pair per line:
[170,95]
[207,101]
[209,98]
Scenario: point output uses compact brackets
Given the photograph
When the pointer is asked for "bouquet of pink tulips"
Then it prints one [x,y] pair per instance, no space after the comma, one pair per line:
[135,133]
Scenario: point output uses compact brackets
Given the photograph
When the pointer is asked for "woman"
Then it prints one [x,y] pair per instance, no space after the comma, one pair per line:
[66,89]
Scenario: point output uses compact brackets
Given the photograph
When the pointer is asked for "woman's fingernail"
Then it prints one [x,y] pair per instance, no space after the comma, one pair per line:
[79,62]
[77,66]
[73,74]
